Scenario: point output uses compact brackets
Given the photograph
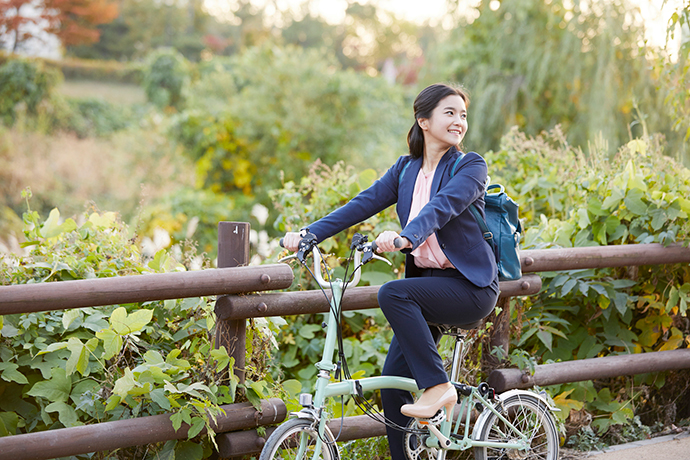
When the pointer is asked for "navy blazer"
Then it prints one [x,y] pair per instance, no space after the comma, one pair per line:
[446,213]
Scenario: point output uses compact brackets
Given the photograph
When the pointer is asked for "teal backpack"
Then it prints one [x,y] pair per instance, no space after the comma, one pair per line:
[501,229]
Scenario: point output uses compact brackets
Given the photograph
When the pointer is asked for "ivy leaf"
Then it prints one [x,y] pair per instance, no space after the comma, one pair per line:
[8,423]
[66,413]
[69,316]
[307,331]
[633,201]
[124,324]
[292,387]
[11,374]
[56,389]
[112,342]
[124,384]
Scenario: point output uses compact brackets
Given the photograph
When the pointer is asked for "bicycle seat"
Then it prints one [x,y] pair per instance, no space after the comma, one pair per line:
[456,329]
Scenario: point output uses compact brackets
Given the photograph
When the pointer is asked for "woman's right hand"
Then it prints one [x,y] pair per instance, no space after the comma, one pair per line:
[291,241]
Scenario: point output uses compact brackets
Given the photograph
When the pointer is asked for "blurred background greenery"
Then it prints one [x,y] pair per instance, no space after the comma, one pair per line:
[180,114]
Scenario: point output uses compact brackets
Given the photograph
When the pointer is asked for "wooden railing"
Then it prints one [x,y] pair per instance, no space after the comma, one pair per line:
[235,283]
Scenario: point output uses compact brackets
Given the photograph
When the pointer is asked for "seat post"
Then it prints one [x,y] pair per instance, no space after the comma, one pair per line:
[458,355]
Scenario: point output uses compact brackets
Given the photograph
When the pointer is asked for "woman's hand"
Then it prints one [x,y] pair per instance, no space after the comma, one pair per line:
[386,242]
[291,241]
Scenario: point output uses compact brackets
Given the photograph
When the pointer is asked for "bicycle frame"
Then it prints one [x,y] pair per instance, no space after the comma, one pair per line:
[324,388]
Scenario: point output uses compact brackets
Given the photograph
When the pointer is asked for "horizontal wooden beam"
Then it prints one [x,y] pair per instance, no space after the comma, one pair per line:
[120,434]
[590,369]
[356,298]
[623,255]
[60,295]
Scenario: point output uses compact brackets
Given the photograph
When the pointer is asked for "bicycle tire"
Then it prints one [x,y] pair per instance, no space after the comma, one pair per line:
[283,443]
[529,415]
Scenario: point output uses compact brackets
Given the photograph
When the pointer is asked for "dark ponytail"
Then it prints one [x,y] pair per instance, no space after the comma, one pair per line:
[425,103]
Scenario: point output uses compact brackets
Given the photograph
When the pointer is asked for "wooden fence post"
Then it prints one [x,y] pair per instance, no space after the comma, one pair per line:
[233,251]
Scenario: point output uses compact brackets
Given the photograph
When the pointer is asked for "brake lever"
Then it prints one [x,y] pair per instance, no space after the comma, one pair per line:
[285,259]
[374,256]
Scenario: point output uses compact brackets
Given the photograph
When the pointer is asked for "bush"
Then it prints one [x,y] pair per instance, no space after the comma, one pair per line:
[95,117]
[166,78]
[24,82]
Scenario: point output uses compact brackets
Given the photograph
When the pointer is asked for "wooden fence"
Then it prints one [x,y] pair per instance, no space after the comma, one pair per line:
[235,283]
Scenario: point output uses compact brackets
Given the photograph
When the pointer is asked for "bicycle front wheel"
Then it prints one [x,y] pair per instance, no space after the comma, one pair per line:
[296,440]
[531,417]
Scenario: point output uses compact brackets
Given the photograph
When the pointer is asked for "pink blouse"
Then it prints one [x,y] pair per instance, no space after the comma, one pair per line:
[429,253]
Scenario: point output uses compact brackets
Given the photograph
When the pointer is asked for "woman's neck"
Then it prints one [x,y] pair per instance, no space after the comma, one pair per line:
[432,156]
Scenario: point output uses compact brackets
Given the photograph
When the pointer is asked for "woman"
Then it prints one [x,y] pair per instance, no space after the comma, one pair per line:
[450,271]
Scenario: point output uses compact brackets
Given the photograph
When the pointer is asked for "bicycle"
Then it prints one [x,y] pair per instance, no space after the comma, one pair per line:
[517,424]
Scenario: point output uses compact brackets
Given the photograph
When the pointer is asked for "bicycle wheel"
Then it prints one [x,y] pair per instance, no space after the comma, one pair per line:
[529,415]
[296,440]
[414,443]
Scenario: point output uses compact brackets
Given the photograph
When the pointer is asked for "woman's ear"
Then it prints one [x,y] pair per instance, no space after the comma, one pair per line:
[423,123]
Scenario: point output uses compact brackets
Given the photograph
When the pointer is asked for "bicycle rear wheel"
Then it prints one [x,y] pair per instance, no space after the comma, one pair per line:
[529,415]
[296,440]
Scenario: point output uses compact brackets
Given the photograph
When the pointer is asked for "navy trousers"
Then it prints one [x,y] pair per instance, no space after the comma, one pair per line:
[438,296]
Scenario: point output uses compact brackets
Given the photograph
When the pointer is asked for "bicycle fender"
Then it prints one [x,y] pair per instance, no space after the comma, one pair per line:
[481,420]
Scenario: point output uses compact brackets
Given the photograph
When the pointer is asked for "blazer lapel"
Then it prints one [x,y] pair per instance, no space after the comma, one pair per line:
[441,171]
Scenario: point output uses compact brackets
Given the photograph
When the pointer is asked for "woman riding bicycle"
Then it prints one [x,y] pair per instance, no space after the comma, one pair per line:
[450,272]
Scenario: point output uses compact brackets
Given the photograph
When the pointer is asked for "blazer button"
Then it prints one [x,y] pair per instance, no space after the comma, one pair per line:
[443,245]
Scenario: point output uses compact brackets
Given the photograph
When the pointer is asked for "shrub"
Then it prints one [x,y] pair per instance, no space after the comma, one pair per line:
[27,82]
[166,78]
[95,117]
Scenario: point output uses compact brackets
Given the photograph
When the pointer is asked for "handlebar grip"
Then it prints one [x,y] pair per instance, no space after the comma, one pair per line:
[398,242]
[374,247]
[281,243]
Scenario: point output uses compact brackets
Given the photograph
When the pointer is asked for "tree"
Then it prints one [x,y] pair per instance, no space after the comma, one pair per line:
[75,21]
[536,64]
[20,19]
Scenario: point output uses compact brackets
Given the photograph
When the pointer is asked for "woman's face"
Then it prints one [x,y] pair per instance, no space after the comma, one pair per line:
[448,122]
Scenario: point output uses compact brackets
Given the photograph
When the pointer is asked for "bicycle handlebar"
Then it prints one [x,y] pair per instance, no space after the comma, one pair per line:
[364,253]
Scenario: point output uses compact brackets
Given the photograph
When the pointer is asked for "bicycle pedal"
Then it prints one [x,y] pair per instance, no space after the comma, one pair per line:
[439,417]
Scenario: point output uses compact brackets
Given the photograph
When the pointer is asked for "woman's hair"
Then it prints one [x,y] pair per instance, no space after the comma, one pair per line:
[424,105]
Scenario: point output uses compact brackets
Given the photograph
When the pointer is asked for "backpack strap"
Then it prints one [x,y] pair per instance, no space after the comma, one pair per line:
[402,173]
[486,233]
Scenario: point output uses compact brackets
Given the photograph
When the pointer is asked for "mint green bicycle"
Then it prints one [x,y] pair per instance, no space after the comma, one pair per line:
[517,424]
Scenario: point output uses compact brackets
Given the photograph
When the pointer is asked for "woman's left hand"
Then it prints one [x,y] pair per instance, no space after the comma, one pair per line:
[386,242]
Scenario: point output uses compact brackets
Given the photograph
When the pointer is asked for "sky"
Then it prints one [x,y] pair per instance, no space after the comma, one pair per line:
[656,17]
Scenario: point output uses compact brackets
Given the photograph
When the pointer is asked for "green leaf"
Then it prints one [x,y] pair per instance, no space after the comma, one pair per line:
[633,201]
[69,316]
[8,423]
[112,342]
[168,451]
[124,324]
[198,424]
[176,420]
[307,331]
[546,338]
[56,389]
[11,374]
[158,396]
[66,413]
[79,359]
[124,384]
[187,450]
[292,387]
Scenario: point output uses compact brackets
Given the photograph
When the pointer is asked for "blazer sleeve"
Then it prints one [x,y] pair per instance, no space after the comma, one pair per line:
[465,187]
[382,194]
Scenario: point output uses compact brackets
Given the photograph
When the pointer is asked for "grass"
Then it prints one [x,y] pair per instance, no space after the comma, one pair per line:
[116,93]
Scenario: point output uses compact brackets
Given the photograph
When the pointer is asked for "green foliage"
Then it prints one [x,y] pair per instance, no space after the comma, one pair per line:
[264,115]
[68,368]
[573,200]
[24,82]
[166,78]
[591,75]
[96,117]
